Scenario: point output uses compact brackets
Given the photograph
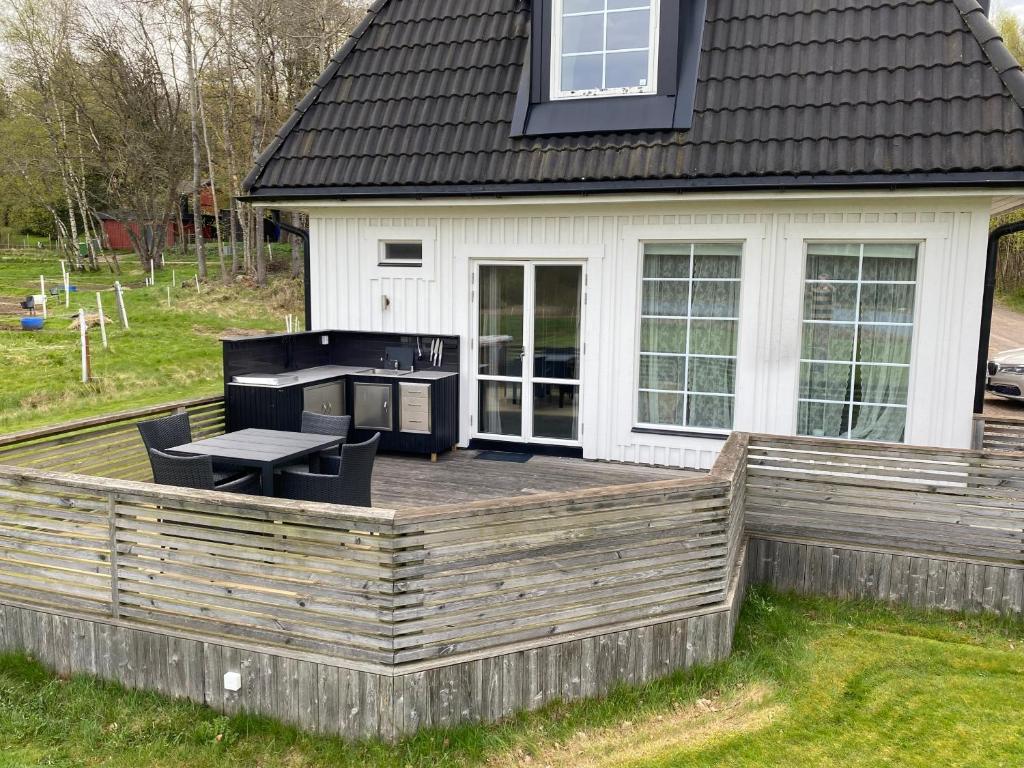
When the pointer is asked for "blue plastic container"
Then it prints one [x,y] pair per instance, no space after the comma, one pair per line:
[31,323]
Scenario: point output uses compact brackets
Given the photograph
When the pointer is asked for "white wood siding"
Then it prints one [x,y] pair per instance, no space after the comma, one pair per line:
[348,287]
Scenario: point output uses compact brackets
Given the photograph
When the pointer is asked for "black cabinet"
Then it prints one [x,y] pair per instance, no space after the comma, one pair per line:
[262,407]
[420,417]
[429,422]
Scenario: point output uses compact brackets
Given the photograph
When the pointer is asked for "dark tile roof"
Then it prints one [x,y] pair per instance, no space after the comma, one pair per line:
[420,100]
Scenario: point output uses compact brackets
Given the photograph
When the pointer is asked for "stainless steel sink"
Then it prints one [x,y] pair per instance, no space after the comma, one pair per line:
[385,372]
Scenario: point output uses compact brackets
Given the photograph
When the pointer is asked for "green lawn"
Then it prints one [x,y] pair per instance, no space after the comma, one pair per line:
[167,353]
[813,682]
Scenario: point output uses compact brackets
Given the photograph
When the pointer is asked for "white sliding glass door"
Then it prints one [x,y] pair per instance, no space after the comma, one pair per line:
[528,351]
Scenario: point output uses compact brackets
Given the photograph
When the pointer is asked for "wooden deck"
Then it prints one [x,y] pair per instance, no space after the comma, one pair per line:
[413,481]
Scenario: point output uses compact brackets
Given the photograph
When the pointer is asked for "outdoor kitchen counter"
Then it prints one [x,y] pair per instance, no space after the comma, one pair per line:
[325,372]
[302,376]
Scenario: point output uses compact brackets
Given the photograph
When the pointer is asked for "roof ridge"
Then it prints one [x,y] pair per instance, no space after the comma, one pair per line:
[999,56]
[307,101]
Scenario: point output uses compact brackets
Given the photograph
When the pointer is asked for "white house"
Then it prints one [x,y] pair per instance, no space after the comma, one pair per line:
[651,222]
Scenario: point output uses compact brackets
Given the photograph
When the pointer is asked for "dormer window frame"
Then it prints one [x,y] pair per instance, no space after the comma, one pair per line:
[558,17]
[668,106]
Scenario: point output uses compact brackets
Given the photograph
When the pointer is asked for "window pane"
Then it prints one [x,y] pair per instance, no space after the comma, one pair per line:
[629,29]
[882,384]
[661,408]
[581,34]
[716,260]
[715,300]
[713,337]
[556,411]
[884,344]
[658,372]
[822,419]
[581,73]
[501,408]
[712,375]
[709,412]
[662,335]
[890,261]
[830,301]
[666,297]
[825,381]
[581,6]
[832,261]
[887,303]
[827,342]
[626,70]
[501,320]
[556,325]
[613,4]
[662,261]
[873,423]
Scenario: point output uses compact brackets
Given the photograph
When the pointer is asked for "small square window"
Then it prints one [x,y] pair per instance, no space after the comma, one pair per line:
[407,253]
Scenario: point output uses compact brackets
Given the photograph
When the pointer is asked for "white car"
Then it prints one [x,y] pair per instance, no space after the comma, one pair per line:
[1006,374]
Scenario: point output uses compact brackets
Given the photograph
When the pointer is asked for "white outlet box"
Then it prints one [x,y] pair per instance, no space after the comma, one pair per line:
[325,340]
[232,681]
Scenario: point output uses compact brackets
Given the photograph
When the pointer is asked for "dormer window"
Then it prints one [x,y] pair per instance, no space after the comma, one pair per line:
[607,66]
[604,48]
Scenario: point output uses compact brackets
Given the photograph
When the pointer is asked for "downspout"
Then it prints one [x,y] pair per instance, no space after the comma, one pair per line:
[307,299]
[988,299]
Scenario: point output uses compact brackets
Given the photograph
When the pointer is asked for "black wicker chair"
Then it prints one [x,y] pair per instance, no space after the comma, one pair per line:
[345,479]
[197,472]
[166,432]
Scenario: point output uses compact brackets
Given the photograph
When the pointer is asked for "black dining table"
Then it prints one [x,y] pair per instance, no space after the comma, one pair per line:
[262,449]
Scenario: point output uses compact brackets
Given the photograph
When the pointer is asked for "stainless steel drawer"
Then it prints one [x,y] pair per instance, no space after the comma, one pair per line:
[414,407]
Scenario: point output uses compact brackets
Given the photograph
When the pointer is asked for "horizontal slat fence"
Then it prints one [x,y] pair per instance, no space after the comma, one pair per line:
[926,500]
[999,433]
[371,587]
[106,446]
[303,576]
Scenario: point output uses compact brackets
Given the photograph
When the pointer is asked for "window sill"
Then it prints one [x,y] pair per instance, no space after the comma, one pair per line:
[681,433]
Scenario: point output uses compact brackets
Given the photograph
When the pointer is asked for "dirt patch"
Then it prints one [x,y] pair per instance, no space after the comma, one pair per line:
[631,743]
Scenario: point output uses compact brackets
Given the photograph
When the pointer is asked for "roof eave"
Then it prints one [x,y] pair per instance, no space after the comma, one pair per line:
[993,179]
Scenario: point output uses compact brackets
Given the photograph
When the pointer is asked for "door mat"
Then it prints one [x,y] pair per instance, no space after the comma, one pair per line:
[518,458]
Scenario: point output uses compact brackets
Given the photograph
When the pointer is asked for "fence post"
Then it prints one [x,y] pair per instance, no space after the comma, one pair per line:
[84,338]
[103,322]
[115,597]
[978,434]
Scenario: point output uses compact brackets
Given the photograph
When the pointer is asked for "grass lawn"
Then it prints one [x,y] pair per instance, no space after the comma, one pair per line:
[168,352]
[813,682]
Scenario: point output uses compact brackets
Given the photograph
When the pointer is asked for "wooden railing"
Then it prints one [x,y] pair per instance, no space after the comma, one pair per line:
[375,588]
[998,433]
[924,500]
[105,446]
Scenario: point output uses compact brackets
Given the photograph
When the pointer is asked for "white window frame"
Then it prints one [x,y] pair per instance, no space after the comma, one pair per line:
[373,236]
[914,325]
[384,261]
[556,91]
[637,389]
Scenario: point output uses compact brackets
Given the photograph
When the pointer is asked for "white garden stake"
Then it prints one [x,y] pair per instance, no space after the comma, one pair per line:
[42,292]
[197,283]
[152,278]
[103,322]
[85,345]
[168,296]
[120,304]
[67,287]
